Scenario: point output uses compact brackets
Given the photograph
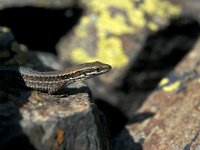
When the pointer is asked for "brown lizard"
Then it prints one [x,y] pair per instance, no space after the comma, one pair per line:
[53,81]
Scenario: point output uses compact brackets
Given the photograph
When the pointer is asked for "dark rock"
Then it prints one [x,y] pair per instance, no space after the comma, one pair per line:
[40,121]
[6,37]
[39,3]
[13,53]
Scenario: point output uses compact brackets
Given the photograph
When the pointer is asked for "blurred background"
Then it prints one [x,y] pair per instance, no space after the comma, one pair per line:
[143,40]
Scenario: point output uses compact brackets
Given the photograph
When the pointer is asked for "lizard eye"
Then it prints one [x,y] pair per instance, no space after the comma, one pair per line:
[98,70]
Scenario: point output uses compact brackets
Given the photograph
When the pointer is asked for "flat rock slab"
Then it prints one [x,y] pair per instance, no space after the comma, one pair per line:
[169,119]
[35,120]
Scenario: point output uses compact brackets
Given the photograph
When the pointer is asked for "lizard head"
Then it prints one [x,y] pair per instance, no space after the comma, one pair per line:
[89,70]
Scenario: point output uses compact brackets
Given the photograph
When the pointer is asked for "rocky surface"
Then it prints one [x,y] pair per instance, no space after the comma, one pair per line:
[120,34]
[39,3]
[190,8]
[33,120]
[148,48]
[134,47]
[169,118]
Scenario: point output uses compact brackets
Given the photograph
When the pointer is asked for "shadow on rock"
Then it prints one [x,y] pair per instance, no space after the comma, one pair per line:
[140,117]
[39,28]
[115,118]
[159,55]
[12,98]
[125,141]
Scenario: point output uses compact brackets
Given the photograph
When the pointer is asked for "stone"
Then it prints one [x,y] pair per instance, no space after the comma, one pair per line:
[39,3]
[120,34]
[169,118]
[35,120]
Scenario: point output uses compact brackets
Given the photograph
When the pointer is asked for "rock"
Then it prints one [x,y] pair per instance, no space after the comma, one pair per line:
[190,8]
[15,54]
[33,120]
[115,32]
[169,118]
[39,3]
[128,87]
[48,60]
[6,37]
[125,141]
[37,121]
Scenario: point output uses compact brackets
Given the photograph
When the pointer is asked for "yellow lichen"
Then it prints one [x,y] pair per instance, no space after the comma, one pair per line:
[137,17]
[163,82]
[108,24]
[110,48]
[172,87]
[110,51]
[152,26]
[162,8]
[79,55]
[81,33]
[84,20]
[167,86]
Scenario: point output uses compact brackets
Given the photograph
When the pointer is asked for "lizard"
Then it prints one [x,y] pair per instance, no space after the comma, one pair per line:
[52,81]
